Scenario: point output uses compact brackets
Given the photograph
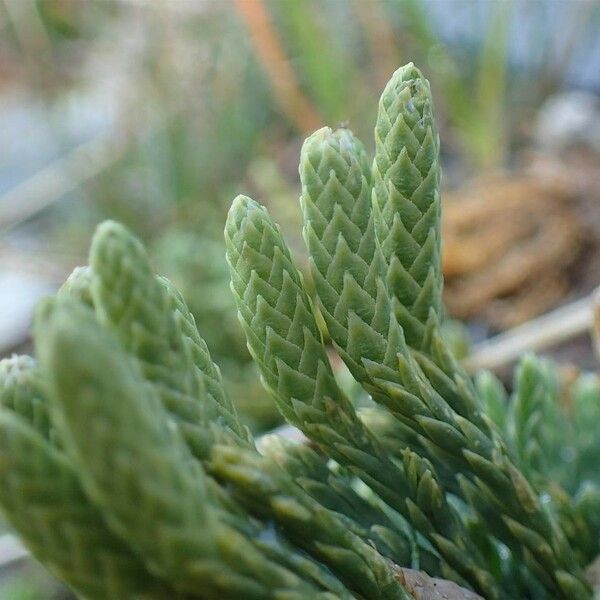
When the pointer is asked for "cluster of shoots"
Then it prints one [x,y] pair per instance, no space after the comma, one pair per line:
[126,471]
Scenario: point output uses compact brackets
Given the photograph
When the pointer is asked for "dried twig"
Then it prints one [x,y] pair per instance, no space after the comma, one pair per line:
[543,332]
[424,587]
[59,178]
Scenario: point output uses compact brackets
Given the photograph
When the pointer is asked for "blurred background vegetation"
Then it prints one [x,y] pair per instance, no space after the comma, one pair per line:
[158,112]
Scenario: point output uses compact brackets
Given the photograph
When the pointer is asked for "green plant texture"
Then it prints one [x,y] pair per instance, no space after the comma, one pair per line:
[126,471]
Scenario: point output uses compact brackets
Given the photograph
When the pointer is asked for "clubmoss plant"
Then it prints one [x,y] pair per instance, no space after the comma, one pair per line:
[125,469]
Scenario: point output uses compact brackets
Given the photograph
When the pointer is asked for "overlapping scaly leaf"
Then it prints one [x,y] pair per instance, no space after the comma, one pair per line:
[136,468]
[156,327]
[423,387]
[21,391]
[284,340]
[337,491]
[333,538]
[406,178]
[531,406]
[346,262]
[42,498]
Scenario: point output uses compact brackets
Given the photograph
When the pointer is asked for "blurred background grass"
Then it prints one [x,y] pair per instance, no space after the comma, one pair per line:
[157,113]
